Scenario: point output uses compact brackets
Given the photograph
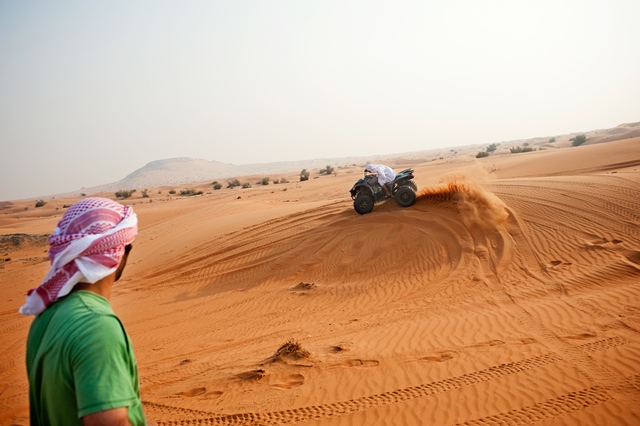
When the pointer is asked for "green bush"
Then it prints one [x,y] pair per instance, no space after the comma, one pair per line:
[264,181]
[40,203]
[521,149]
[491,148]
[216,185]
[124,193]
[246,185]
[578,140]
[482,154]
[327,170]
[233,183]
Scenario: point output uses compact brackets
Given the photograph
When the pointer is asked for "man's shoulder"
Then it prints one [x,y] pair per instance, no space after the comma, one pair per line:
[80,310]
[85,303]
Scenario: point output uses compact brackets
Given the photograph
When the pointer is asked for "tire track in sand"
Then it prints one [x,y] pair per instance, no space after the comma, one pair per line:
[560,405]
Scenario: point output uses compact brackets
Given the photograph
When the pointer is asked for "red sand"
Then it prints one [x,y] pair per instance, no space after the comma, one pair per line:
[508,294]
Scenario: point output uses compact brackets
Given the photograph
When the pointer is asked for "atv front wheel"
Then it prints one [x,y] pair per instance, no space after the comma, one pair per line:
[405,196]
[363,203]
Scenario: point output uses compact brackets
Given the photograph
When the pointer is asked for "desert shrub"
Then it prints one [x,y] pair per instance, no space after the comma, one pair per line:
[552,140]
[124,193]
[264,181]
[276,181]
[172,191]
[216,185]
[327,170]
[82,194]
[520,149]
[284,180]
[482,154]
[40,203]
[233,183]
[190,192]
[578,140]
[492,148]
[290,350]
[304,175]
[246,185]
[145,193]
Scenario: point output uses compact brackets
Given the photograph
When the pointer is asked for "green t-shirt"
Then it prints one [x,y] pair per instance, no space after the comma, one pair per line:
[80,361]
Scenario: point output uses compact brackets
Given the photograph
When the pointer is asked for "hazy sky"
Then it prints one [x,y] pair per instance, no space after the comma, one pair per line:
[93,90]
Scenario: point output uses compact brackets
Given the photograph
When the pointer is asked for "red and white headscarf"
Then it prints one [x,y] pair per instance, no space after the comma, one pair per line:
[87,245]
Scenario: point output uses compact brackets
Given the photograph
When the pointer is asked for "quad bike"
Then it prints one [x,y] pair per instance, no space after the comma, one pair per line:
[367,191]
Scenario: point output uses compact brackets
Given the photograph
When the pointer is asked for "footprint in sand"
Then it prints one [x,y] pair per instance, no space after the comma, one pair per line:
[488,343]
[292,381]
[194,392]
[251,375]
[361,363]
[439,357]
[580,336]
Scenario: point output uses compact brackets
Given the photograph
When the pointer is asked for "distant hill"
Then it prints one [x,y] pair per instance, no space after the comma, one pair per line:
[183,170]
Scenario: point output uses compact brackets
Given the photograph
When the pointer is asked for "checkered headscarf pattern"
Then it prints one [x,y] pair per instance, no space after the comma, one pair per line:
[87,245]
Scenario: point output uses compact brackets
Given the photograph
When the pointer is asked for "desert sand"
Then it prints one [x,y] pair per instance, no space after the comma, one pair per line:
[508,294]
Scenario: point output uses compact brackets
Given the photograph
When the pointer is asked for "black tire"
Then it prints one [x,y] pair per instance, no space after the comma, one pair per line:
[363,203]
[411,184]
[405,196]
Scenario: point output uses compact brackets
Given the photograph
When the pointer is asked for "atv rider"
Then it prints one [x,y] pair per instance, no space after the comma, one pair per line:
[385,175]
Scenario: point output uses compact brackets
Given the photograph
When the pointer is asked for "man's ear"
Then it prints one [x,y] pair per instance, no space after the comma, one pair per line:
[123,262]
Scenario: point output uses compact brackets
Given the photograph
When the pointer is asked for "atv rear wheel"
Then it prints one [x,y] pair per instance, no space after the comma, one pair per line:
[363,203]
[405,196]
[412,184]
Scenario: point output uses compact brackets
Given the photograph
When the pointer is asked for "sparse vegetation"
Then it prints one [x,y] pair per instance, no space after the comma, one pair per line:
[327,170]
[82,194]
[519,149]
[578,140]
[172,191]
[304,175]
[40,203]
[284,180]
[491,148]
[124,193]
[233,183]
[291,350]
[246,185]
[216,185]
[145,193]
[552,140]
[190,192]
[264,181]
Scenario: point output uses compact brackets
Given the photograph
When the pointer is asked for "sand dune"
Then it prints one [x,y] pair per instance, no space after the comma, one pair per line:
[508,294]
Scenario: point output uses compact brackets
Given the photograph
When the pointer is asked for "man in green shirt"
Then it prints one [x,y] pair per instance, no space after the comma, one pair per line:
[80,362]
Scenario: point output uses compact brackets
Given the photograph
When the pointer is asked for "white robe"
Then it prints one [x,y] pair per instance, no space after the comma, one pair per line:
[385,173]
